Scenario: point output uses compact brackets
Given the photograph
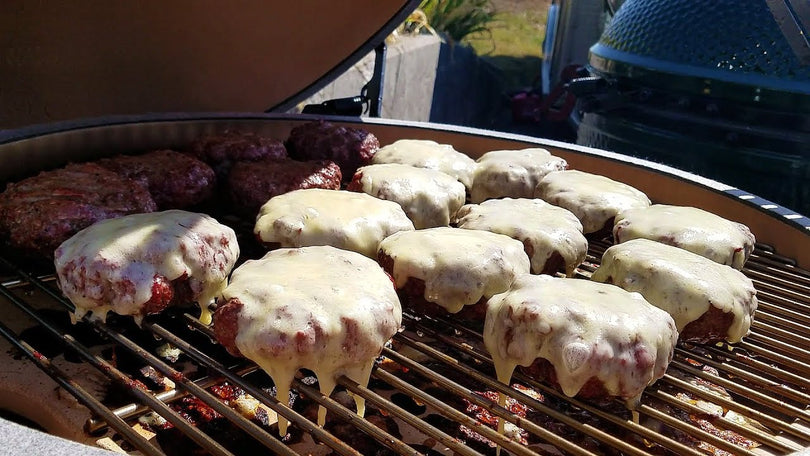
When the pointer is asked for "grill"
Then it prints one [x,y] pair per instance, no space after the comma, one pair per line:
[689,87]
[436,381]
[765,378]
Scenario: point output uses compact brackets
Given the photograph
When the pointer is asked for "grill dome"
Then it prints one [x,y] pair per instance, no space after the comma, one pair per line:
[722,48]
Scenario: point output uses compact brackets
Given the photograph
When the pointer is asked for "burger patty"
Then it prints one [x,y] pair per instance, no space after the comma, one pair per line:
[251,184]
[141,263]
[222,150]
[349,147]
[412,297]
[39,213]
[174,180]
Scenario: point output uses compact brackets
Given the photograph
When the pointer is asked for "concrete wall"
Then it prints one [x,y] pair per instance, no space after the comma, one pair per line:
[426,80]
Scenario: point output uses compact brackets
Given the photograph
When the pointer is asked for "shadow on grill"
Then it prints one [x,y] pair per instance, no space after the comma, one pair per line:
[433,390]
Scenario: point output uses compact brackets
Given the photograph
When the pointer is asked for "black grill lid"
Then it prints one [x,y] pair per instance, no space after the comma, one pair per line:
[90,58]
[754,51]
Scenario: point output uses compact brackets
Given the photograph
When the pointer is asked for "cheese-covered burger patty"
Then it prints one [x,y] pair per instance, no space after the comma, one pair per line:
[140,264]
[342,219]
[451,268]
[320,308]
[709,301]
[430,198]
[590,339]
[594,199]
[698,231]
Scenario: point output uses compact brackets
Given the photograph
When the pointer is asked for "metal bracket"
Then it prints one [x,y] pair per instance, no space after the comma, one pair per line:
[373,90]
[369,100]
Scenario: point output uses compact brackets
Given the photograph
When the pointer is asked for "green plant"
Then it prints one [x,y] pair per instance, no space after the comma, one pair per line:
[458,19]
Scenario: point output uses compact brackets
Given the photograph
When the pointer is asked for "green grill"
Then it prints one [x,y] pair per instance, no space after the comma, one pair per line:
[720,88]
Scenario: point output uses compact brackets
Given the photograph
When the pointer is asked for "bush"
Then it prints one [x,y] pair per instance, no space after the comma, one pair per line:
[458,19]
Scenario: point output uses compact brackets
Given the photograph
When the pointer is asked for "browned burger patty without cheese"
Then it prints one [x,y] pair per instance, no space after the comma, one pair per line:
[251,184]
[175,180]
[222,150]
[39,213]
[349,147]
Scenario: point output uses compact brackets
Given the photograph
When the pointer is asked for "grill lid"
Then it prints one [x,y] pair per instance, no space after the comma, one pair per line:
[88,58]
[754,51]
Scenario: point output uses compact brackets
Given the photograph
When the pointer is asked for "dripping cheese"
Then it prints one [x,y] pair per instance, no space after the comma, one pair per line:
[342,219]
[320,308]
[686,285]
[424,153]
[428,197]
[698,231]
[545,230]
[594,199]
[135,264]
[512,173]
[587,331]
[458,267]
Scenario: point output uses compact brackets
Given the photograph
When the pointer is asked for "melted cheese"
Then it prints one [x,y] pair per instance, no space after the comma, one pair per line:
[458,266]
[680,282]
[592,198]
[512,173]
[706,234]
[428,197]
[111,265]
[319,308]
[547,228]
[584,329]
[346,220]
[423,153]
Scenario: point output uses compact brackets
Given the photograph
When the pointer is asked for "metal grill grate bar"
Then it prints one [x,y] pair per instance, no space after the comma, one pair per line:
[64,380]
[715,399]
[382,403]
[349,416]
[769,371]
[631,426]
[749,376]
[754,434]
[454,414]
[317,432]
[134,410]
[748,363]
[114,374]
[210,400]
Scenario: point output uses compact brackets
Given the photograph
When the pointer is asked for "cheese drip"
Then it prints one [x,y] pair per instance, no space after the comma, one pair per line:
[592,198]
[342,219]
[428,197]
[584,329]
[698,231]
[546,228]
[512,173]
[112,265]
[458,266]
[682,283]
[320,308]
[423,153]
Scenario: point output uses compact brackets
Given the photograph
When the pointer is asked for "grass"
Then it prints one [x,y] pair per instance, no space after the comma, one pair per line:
[514,43]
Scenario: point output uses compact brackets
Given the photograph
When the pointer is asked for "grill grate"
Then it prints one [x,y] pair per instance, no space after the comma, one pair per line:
[750,398]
